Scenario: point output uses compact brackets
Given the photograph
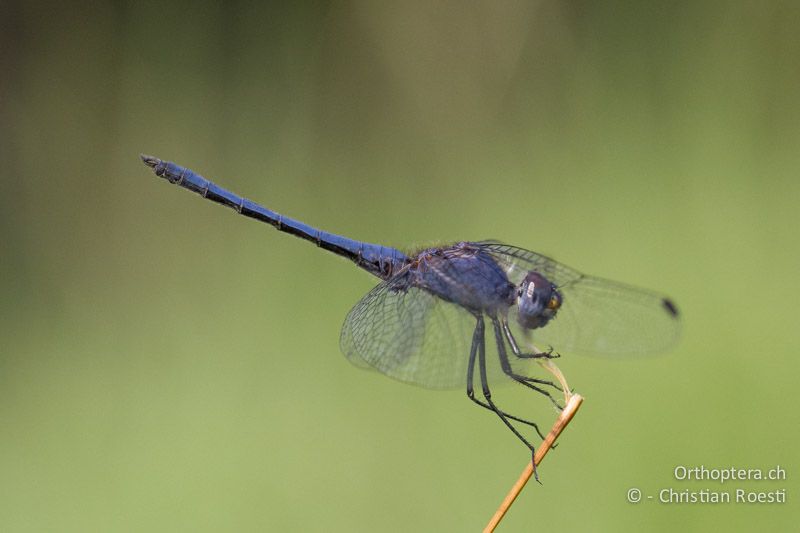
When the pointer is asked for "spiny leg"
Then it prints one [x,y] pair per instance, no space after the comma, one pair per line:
[522,355]
[506,365]
[470,386]
[487,393]
[539,355]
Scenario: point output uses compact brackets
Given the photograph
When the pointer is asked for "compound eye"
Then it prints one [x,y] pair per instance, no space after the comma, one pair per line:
[554,303]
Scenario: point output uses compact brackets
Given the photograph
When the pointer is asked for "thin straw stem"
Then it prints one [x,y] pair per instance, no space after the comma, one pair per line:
[569,411]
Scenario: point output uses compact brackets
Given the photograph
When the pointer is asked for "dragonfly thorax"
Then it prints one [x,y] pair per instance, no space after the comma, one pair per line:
[538,300]
[462,275]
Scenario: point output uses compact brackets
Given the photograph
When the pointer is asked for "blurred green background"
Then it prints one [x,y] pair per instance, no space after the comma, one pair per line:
[167,365]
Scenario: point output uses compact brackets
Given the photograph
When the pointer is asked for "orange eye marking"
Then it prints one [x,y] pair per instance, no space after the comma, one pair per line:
[553,303]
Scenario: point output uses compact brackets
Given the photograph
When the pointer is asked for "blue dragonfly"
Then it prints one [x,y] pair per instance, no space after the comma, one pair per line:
[425,322]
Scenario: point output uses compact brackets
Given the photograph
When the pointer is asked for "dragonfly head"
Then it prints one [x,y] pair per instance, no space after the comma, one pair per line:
[538,300]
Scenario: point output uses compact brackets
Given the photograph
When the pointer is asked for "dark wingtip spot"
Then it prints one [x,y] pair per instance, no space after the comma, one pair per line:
[669,305]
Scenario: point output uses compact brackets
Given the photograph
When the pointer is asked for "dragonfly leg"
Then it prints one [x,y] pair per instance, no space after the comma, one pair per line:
[471,390]
[506,365]
[517,352]
[522,355]
[479,340]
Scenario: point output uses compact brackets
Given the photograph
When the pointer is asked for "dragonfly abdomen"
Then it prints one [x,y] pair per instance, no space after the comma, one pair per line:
[381,261]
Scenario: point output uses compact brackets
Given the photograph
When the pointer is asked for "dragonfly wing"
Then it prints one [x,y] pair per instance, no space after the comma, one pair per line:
[517,262]
[597,316]
[410,335]
[603,317]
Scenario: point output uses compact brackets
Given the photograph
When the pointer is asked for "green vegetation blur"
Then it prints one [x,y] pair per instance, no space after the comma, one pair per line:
[166,365]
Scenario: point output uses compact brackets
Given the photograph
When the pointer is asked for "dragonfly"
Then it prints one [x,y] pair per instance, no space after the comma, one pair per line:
[425,322]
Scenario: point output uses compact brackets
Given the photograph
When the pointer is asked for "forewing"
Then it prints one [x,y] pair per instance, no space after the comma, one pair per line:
[597,316]
[410,335]
[604,317]
[517,262]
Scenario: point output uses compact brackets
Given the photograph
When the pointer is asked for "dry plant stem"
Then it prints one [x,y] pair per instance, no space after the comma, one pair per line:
[553,369]
[569,411]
